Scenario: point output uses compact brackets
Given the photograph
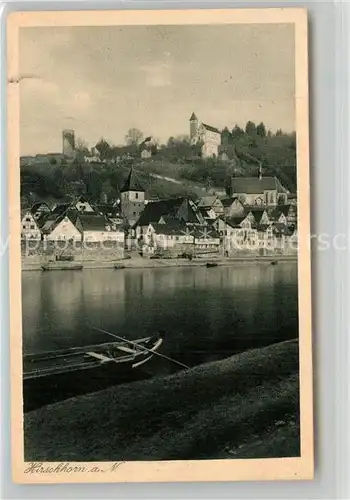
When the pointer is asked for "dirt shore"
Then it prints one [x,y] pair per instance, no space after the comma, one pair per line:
[144,263]
[246,406]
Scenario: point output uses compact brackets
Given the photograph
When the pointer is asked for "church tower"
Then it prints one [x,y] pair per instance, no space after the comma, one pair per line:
[193,126]
[132,198]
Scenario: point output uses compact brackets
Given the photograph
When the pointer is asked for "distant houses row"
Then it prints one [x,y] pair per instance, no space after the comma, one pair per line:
[76,221]
[257,213]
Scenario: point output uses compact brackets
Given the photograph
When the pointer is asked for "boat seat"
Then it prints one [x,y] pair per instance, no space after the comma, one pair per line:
[101,357]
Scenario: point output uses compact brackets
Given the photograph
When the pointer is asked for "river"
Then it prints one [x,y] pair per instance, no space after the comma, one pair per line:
[207,314]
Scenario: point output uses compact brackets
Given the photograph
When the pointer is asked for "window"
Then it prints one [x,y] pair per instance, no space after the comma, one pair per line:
[272,198]
[28,219]
[137,195]
[32,226]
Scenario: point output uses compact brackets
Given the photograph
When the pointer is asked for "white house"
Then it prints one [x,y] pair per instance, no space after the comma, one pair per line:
[63,228]
[95,228]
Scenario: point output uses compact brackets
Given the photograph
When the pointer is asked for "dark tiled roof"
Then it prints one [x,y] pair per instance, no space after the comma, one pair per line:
[180,208]
[211,129]
[235,221]
[132,183]
[92,222]
[257,212]
[61,209]
[170,229]
[203,232]
[227,202]
[36,206]
[50,221]
[254,185]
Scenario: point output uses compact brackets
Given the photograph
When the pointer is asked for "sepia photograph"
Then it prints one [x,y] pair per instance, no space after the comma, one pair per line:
[160,268]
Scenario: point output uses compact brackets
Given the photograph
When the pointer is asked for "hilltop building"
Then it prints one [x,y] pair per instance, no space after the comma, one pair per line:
[206,135]
[132,198]
[68,139]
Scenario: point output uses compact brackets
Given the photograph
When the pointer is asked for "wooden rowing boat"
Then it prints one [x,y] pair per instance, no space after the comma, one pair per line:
[60,266]
[211,264]
[52,376]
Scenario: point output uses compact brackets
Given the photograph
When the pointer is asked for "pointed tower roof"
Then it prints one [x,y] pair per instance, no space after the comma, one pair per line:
[132,183]
[193,117]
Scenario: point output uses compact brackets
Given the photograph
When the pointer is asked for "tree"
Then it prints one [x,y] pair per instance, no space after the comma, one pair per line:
[104,149]
[133,137]
[226,137]
[81,146]
[237,132]
[261,130]
[250,128]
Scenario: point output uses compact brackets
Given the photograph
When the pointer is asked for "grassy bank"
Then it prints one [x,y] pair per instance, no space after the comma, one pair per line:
[144,263]
[244,406]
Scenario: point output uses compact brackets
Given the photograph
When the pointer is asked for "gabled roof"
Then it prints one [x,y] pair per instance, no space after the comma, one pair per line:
[207,201]
[235,221]
[170,229]
[132,183]
[211,129]
[61,209]
[92,222]
[37,205]
[227,202]
[50,221]
[203,231]
[179,208]
[254,185]
[153,212]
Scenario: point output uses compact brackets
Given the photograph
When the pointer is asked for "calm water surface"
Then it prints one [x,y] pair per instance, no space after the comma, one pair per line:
[206,313]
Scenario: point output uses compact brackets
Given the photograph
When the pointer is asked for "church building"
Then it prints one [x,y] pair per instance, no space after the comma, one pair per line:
[208,136]
[132,198]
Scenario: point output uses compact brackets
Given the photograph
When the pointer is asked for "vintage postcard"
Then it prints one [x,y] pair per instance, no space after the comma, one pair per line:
[159,246]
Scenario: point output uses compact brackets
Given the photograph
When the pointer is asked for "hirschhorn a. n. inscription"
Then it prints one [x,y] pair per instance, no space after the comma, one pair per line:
[160,228]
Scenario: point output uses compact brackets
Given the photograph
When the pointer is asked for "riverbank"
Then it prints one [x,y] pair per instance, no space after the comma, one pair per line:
[145,263]
[245,406]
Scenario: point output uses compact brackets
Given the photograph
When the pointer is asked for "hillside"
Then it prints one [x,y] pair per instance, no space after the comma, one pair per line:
[171,171]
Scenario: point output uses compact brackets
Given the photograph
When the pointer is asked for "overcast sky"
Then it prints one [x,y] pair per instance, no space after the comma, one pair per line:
[101,81]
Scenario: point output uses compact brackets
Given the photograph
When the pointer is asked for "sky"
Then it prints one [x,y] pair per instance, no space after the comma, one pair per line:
[101,81]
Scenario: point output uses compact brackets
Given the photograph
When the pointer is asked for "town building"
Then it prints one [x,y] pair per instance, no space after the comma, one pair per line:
[83,205]
[258,190]
[182,209]
[232,206]
[207,136]
[64,227]
[132,198]
[96,229]
[30,228]
[212,204]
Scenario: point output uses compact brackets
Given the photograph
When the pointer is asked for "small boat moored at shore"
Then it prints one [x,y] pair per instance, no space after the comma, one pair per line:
[119,266]
[60,266]
[274,263]
[49,377]
[211,264]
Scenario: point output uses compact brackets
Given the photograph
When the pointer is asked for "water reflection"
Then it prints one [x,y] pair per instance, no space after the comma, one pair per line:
[200,309]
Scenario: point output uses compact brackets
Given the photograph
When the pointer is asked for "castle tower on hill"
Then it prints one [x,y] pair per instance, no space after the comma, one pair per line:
[132,198]
[209,137]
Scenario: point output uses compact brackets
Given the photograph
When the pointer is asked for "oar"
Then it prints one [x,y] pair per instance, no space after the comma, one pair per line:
[139,346]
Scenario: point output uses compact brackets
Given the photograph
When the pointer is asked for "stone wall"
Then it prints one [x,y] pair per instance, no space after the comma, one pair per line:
[34,251]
